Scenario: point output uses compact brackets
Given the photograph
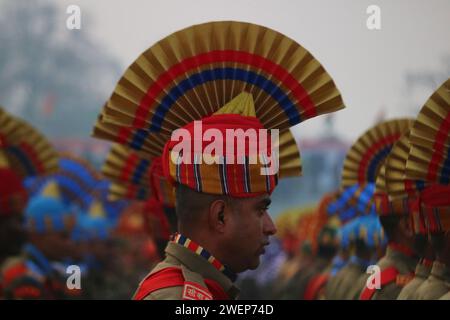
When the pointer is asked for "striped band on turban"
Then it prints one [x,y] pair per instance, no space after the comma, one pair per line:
[223,154]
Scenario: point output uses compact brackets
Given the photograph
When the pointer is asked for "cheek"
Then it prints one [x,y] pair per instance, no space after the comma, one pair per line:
[252,227]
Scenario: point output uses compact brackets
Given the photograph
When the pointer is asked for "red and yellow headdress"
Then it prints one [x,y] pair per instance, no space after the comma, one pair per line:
[24,152]
[257,78]
[429,158]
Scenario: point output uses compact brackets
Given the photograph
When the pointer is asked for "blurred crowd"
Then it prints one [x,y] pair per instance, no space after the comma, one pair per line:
[55,213]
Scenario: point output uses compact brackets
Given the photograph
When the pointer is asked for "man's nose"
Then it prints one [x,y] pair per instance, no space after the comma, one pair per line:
[269,226]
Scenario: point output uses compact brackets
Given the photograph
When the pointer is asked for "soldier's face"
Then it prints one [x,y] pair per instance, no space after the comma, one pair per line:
[251,228]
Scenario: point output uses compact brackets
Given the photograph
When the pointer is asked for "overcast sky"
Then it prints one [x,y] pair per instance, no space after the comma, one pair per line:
[368,66]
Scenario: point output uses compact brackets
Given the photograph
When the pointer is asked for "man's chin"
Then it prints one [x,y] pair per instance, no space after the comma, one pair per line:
[255,264]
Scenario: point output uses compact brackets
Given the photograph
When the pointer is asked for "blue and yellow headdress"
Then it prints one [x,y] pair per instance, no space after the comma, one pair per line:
[47,212]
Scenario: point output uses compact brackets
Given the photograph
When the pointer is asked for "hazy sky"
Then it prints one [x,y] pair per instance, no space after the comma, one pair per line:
[369,67]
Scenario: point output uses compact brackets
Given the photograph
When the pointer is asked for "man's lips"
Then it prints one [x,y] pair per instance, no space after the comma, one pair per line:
[262,249]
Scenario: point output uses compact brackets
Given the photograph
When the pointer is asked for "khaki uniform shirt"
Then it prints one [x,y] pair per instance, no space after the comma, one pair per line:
[195,269]
[340,286]
[421,274]
[404,264]
[435,286]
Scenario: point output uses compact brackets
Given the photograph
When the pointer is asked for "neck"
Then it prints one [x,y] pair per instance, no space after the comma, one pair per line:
[403,248]
[207,242]
[444,257]
[429,253]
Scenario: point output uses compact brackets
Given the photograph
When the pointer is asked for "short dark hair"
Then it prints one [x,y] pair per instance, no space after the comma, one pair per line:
[390,224]
[171,217]
[361,248]
[438,242]
[420,244]
[190,204]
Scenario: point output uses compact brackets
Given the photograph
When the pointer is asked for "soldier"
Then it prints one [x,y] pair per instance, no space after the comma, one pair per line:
[321,268]
[427,166]
[218,222]
[424,250]
[93,231]
[367,235]
[37,157]
[13,198]
[205,88]
[49,224]
[374,238]
[435,198]
[301,260]
[362,167]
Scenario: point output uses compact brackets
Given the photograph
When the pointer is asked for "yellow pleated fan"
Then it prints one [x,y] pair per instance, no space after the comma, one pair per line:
[397,185]
[289,156]
[4,163]
[129,172]
[380,182]
[114,132]
[429,158]
[28,151]
[366,156]
[193,72]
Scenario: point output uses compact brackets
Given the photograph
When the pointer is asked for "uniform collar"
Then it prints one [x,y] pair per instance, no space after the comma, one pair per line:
[202,252]
[423,269]
[403,254]
[199,264]
[440,271]
[406,251]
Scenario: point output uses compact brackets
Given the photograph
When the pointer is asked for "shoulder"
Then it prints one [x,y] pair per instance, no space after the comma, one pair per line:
[396,271]
[168,282]
[171,293]
[408,291]
[445,296]
[389,285]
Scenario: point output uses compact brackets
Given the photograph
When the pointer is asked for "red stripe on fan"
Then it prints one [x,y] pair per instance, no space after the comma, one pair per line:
[438,148]
[123,135]
[130,191]
[410,187]
[129,167]
[388,140]
[223,56]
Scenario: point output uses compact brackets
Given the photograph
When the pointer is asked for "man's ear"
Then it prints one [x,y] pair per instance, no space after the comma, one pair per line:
[218,216]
